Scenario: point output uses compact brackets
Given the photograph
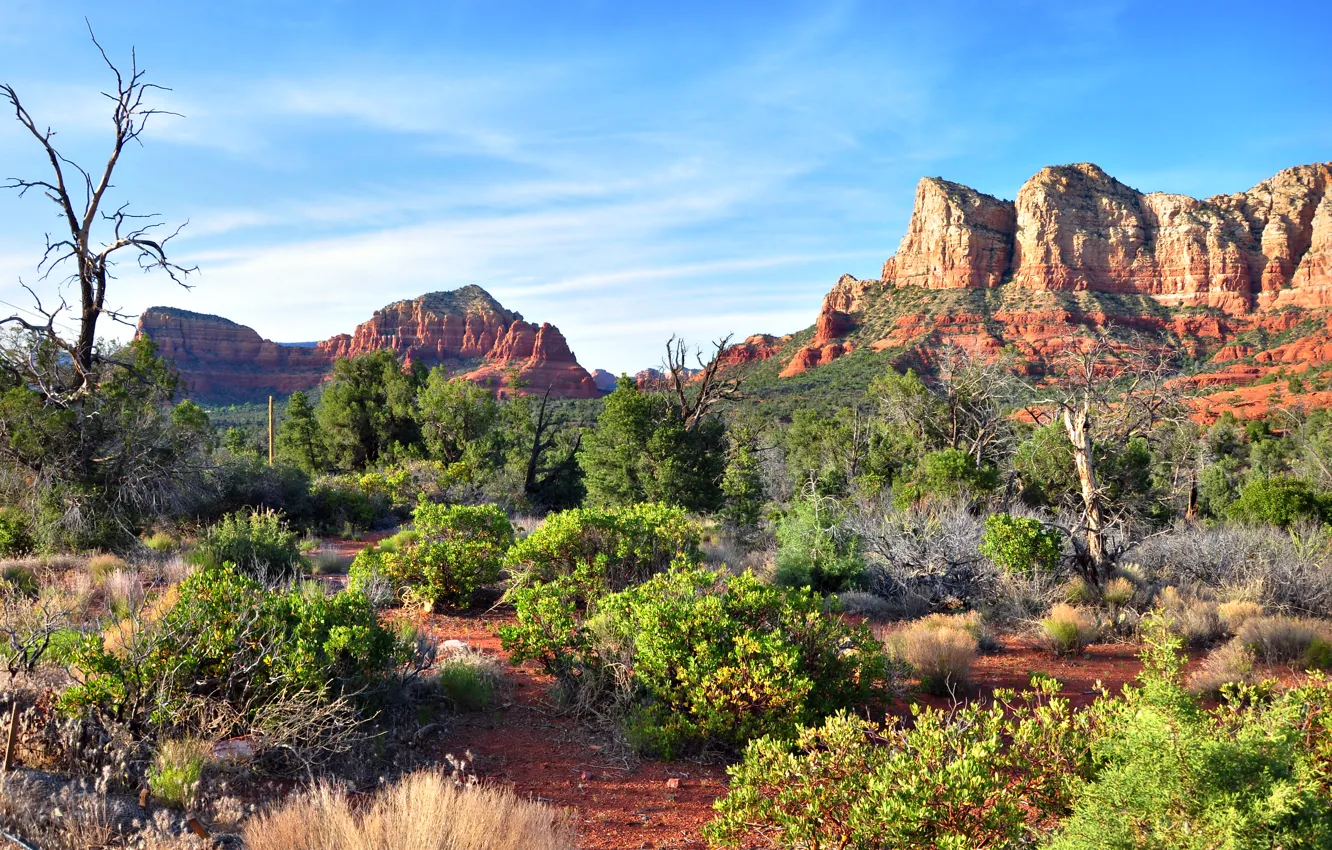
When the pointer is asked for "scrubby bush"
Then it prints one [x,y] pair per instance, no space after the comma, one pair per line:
[258,542]
[1229,664]
[249,644]
[613,547]
[1278,501]
[814,550]
[940,652]
[455,550]
[1067,629]
[15,533]
[1118,592]
[1252,773]
[983,776]
[160,542]
[1021,544]
[692,658]
[947,474]
[1286,640]
[467,679]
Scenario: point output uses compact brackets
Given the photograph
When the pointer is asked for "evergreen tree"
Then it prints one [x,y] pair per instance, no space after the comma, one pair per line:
[298,439]
[368,411]
[742,482]
[455,415]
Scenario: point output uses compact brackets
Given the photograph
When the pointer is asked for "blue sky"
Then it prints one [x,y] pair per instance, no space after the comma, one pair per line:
[628,170]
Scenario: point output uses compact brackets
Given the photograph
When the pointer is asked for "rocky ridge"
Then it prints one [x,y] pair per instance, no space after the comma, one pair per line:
[466,330]
[1079,251]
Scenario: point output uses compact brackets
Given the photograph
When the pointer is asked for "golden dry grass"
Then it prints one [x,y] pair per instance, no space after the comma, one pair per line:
[422,811]
[1067,629]
[939,651]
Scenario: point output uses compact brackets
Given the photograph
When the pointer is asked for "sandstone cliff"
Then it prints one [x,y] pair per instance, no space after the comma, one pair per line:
[465,330]
[1072,230]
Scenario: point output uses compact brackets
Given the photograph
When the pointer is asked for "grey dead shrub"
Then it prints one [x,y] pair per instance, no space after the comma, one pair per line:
[923,559]
[1282,640]
[1286,569]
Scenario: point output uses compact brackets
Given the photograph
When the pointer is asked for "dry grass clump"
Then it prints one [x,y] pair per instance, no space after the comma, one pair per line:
[1067,629]
[1234,615]
[124,592]
[330,564]
[177,770]
[1231,663]
[468,678]
[1288,640]
[429,810]
[940,650]
[1118,592]
[100,567]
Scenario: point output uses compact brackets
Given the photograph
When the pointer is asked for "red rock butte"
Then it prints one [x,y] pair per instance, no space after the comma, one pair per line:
[465,330]
[1201,271]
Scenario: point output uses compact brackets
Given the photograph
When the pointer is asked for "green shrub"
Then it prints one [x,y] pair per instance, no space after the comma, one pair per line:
[692,658]
[613,548]
[1021,544]
[250,644]
[339,501]
[983,776]
[813,551]
[1278,501]
[948,473]
[15,533]
[176,771]
[1252,773]
[455,550]
[258,542]
[160,542]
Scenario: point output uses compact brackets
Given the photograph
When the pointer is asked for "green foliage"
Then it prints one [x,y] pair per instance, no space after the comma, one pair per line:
[466,683]
[15,533]
[814,550]
[1278,501]
[948,473]
[979,776]
[1253,773]
[176,771]
[742,482]
[713,660]
[258,542]
[641,451]
[368,411]
[608,549]
[457,417]
[251,644]
[1021,544]
[457,549]
[299,440]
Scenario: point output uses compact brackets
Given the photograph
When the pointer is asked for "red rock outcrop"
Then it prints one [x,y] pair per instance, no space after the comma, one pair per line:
[462,329]
[958,238]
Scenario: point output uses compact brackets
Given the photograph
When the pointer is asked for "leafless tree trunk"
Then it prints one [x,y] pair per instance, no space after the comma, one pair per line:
[81,243]
[698,391]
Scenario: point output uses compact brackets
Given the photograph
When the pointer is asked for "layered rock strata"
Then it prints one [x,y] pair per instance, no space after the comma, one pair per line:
[465,330]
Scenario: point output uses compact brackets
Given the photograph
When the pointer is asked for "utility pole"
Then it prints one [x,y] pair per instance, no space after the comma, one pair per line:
[270,430]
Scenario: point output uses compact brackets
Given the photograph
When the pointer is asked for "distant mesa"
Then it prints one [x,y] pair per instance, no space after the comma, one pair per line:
[1079,250]
[465,330]
[604,380]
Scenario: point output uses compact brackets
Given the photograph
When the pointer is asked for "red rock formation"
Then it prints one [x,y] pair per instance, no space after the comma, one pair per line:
[219,359]
[754,349]
[958,238]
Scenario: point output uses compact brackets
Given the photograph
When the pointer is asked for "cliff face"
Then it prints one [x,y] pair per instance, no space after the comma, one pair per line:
[1074,229]
[466,330]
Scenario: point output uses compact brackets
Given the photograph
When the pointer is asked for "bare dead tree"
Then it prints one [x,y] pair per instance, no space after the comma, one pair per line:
[84,247]
[1109,393]
[697,391]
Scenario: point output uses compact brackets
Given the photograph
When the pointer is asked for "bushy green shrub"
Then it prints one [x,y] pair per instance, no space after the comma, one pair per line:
[1021,544]
[455,549]
[15,533]
[613,548]
[1278,501]
[948,473]
[813,551]
[692,658]
[258,542]
[247,643]
[1148,769]
[1252,773]
[339,501]
[983,776]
